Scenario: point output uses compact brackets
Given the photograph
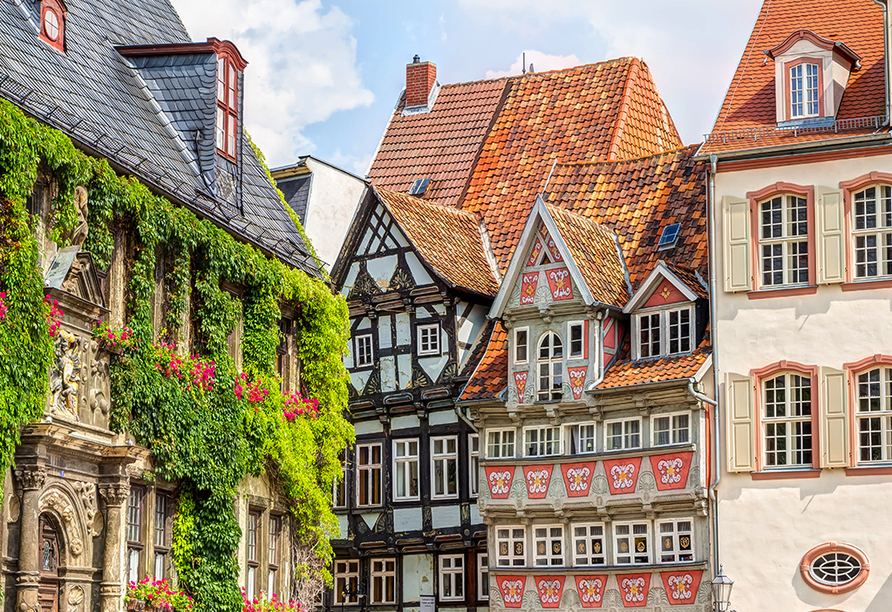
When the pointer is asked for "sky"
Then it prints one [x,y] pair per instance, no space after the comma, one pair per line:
[323,76]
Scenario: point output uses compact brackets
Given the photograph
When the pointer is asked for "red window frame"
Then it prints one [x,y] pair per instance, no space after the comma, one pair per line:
[58,9]
[227,107]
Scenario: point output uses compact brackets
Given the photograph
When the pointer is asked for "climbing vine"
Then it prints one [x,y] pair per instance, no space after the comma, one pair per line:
[207,424]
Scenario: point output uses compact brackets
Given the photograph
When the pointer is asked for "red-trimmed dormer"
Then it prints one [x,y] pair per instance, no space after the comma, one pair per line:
[52,23]
[230,66]
[811,74]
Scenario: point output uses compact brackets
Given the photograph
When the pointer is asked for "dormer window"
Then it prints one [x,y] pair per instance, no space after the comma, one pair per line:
[805,90]
[52,24]
[665,333]
[227,106]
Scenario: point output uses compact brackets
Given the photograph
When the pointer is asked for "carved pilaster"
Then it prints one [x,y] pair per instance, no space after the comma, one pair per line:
[110,590]
[30,478]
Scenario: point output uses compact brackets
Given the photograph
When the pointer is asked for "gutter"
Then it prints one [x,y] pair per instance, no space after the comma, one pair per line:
[713,315]
[802,148]
[887,41]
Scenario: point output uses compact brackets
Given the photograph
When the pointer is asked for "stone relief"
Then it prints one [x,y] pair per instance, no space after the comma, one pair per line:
[646,481]
[13,509]
[61,505]
[65,375]
[115,494]
[78,235]
[87,491]
[30,478]
[75,598]
[99,382]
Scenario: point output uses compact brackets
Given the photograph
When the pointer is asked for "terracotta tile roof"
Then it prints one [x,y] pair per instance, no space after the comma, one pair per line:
[750,101]
[491,375]
[637,199]
[598,111]
[689,277]
[447,238]
[441,145]
[625,372]
[595,252]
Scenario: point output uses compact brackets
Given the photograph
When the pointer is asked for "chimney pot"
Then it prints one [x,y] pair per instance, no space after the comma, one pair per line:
[416,59]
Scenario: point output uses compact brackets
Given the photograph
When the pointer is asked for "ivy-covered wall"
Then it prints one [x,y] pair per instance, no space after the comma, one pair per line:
[207,424]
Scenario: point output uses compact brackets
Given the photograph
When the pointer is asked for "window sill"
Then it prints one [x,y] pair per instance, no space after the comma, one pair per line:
[869,470]
[761,294]
[785,474]
[866,284]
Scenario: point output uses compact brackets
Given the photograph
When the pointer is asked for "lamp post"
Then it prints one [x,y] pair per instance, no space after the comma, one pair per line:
[721,592]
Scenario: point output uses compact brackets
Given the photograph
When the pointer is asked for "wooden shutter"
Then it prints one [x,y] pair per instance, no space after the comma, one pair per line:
[833,426]
[830,243]
[741,423]
[736,213]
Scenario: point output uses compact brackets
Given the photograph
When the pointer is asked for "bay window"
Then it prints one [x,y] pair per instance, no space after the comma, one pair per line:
[671,428]
[500,444]
[623,434]
[676,541]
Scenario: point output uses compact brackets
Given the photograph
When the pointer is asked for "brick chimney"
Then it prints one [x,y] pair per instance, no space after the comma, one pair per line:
[420,79]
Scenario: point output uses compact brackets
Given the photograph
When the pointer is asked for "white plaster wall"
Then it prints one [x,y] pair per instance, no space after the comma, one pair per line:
[767,526]
[334,197]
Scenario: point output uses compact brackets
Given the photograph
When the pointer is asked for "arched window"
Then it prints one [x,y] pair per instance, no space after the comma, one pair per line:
[227,106]
[872,231]
[551,367]
[783,240]
[52,23]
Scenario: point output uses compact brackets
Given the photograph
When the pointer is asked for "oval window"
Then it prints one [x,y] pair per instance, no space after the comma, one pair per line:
[834,568]
[51,24]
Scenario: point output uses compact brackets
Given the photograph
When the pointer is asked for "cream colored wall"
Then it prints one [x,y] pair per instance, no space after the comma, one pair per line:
[334,196]
[767,526]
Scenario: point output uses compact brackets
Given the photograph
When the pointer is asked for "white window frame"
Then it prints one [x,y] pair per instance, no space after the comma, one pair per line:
[382,573]
[553,389]
[789,421]
[574,438]
[370,468]
[473,465]
[882,416]
[626,435]
[545,534]
[571,325]
[341,485]
[407,459]
[345,570]
[589,537]
[881,232]
[444,457]
[482,568]
[424,337]
[358,348]
[661,345]
[518,345]
[454,575]
[675,536]
[501,443]
[790,243]
[543,443]
[508,534]
[632,538]
[674,429]
[808,95]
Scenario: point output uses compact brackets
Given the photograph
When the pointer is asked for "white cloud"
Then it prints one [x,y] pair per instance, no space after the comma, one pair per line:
[302,65]
[542,62]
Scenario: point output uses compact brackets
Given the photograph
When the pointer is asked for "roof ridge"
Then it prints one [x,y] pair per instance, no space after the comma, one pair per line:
[613,162]
[620,121]
[514,77]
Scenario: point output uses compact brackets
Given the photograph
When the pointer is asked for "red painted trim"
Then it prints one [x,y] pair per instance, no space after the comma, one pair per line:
[869,471]
[854,368]
[788,109]
[792,39]
[766,193]
[848,190]
[213,45]
[805,158]
[586,338]
[772,370]
[786,475]
[763,294]
[829,547]
[57,7]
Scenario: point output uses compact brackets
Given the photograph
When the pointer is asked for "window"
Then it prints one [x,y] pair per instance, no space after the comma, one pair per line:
[577,340]
[549,545]
[227,106]
[551,365]
[52,24]
[474,464]
[582,438]
[405,469]
[510,543]
[482,576]
[804,86]
[783,240]
[364,355]
[444,460]
[632,547]
[429,339]
[676,544]
[520,345]
[679,331]
[346,582]
[622,435]
[668,332]
[542,441]
[134,532]
[671,428]
[251,553]
[340,487]
[669,236]
[874,415]
[834,568]
[368,475]
[588,545]
[452,577]
[649,335]
[872,231]
[162,534]
[786,420]
[383,581]
[272,560]
[500,444]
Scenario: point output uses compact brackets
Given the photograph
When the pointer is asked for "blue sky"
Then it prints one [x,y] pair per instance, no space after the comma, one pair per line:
[323,76]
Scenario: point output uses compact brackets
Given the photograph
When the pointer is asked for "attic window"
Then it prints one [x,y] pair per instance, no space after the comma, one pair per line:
[669,237]
[227,106]
[805,78]
[52,24]
[419,186]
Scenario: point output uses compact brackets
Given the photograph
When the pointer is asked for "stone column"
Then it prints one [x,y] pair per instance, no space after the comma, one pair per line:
[30,479]
[110,591]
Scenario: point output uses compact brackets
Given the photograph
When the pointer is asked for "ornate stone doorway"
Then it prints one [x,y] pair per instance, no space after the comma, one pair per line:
[48,591]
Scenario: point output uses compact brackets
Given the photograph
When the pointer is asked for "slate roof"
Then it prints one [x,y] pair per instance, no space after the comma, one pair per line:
[748,119]
[449,239]
[104,103]
[297,193]
[490,377]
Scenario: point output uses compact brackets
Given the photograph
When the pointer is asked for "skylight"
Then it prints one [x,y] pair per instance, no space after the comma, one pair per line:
[419,186]
[669,236]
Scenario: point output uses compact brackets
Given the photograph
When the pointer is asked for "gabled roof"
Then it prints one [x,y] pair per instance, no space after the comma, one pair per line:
[748,117]
[490,376]
[685,281]
[451,241]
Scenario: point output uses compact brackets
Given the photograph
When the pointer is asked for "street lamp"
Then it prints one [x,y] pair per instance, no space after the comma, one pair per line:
[721,591]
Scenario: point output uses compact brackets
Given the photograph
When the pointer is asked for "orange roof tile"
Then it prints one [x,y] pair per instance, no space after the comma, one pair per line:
[691,279]
[441,144]
[447,238]
[624,372]
[637,199]
[749,105]
[490,376]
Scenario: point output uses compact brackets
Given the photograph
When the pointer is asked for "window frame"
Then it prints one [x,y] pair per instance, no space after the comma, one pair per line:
[501,444]
[358,351]
[676,535]
[407,460]
[589,538]
[884,366]
[339,597]
[850,189]
[382,574]
[549,558]
[632,537]
[431,351]
[135,547]
[443,456]
[555,367]
[272,550]
[482,568]
[625,434]
[161,531]
[512,539]
[370,468]
[788,82]
[544,444]
[473,465]
[517,345]
[252,560]
[580,325]
[672,428]
[453,572]
[227,107]
[664,329]
[571,438]
[57,42]
[340,493]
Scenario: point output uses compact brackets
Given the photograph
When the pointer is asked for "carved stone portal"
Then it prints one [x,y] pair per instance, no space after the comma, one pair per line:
[61,505]
[65,376]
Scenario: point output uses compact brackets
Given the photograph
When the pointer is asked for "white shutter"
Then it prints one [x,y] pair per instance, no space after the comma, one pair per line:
[736,213]
[741,446]
[833,430]
[830,243]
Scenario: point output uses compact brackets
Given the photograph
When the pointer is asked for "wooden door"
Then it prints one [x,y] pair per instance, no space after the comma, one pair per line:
[48,591]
